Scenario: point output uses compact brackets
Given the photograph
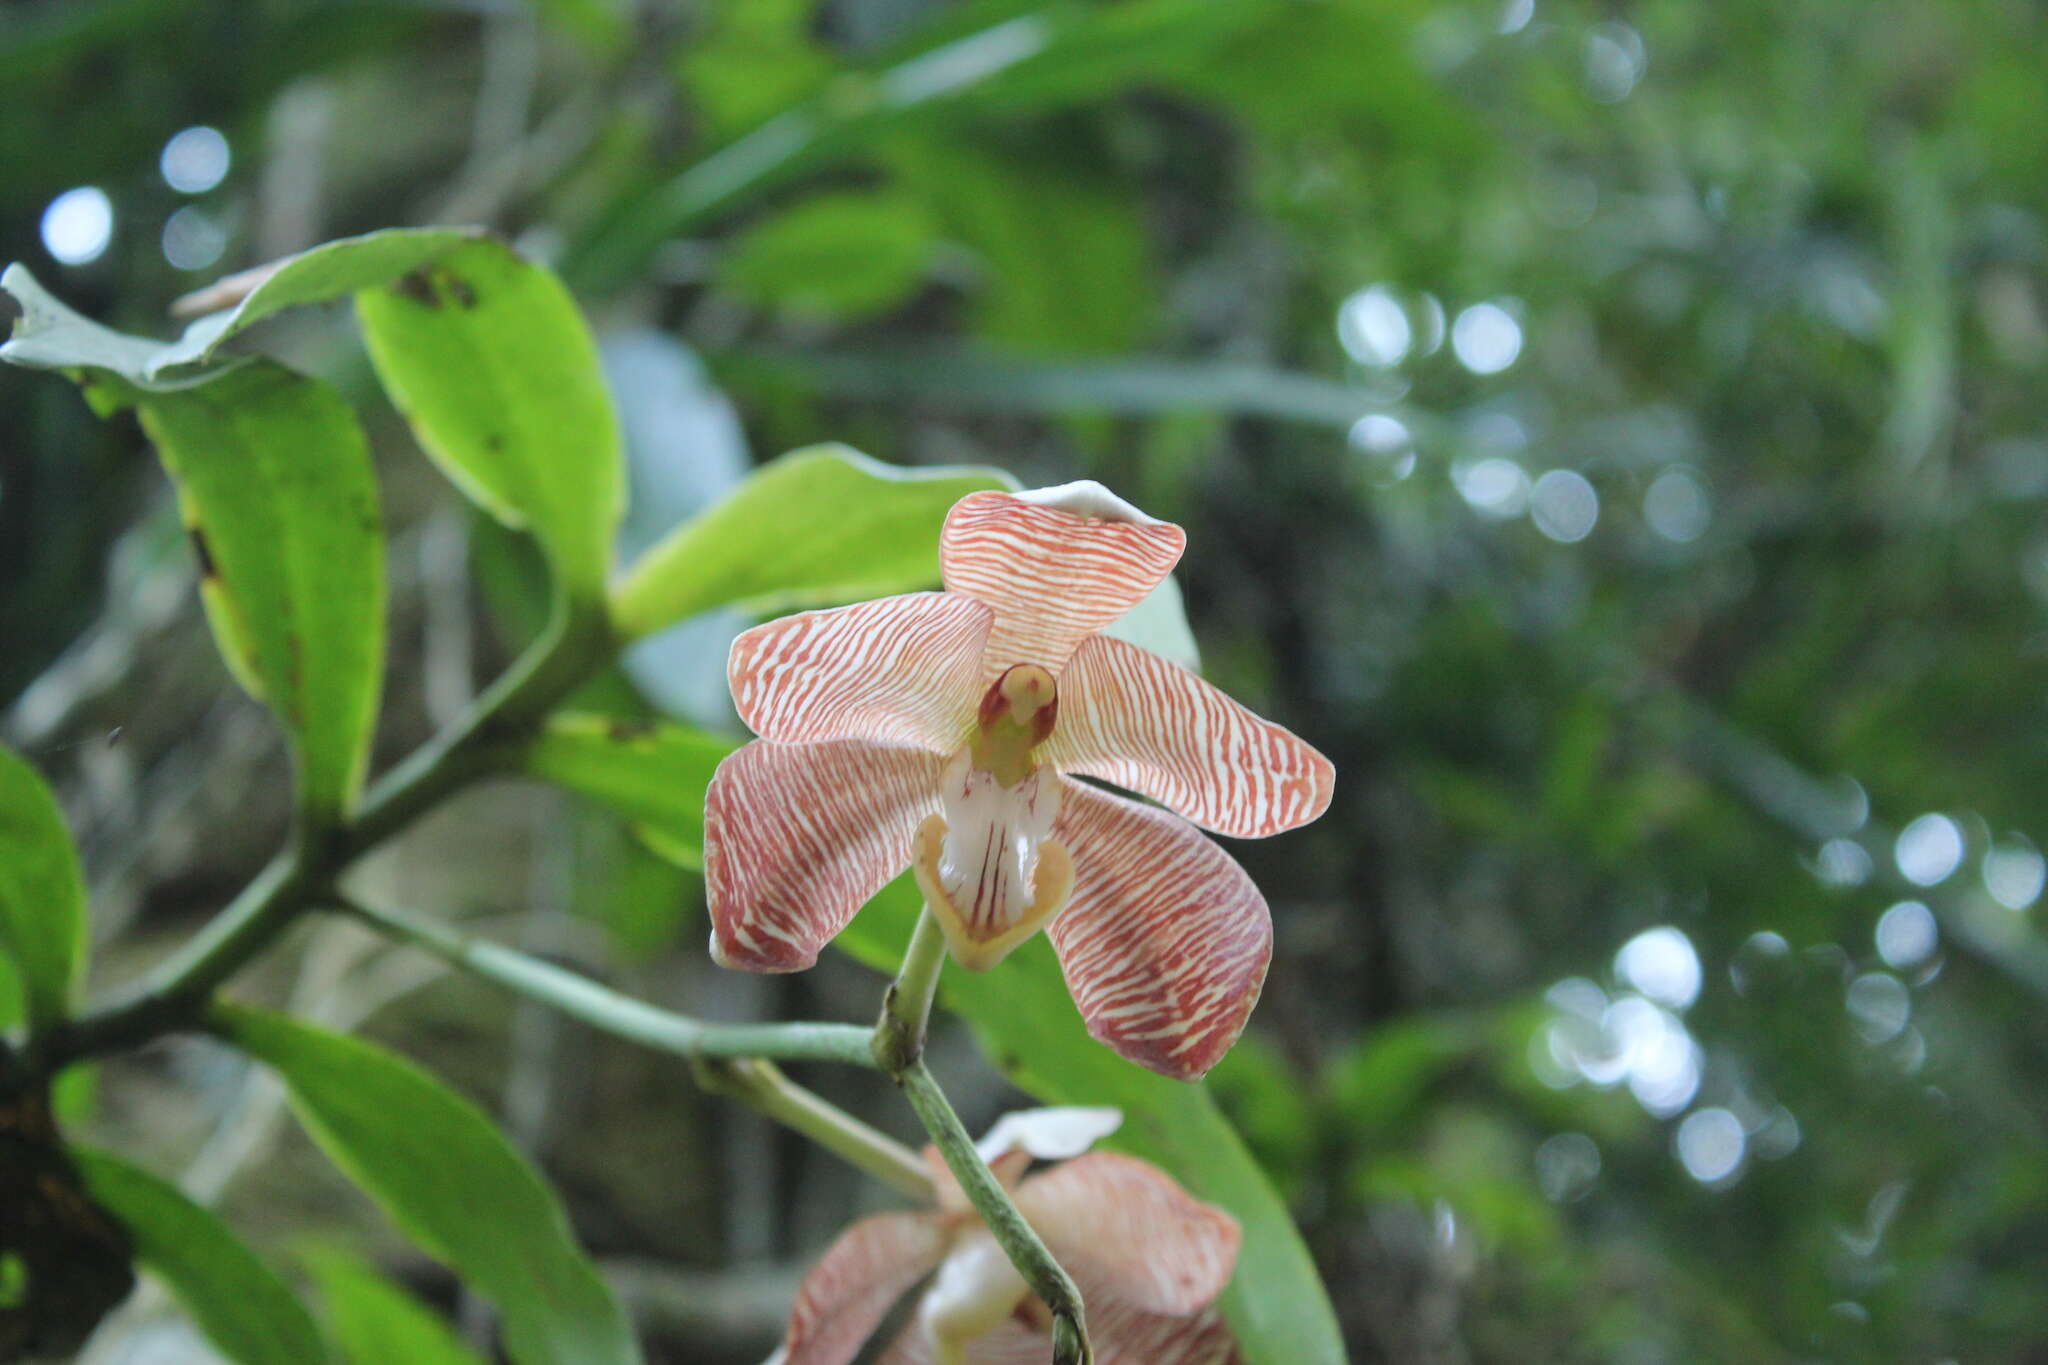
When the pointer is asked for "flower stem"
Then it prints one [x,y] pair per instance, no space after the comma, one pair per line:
[612,1012]
[1016,1237]
[729,1058]
[907,1007]
[761,1084]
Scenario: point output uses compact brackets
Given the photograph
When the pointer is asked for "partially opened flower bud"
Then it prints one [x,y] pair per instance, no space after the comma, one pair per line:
[1148,1258]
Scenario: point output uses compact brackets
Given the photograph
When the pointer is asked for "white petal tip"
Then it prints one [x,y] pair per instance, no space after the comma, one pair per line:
[1056,1134]
[1087,498]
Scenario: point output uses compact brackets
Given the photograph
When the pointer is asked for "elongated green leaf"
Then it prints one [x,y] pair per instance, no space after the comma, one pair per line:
[332,270]
[374,1322]
[239,1302]
[277,489]
[488,358]
[818,526]
[653,774]
[51,336]
[1026,1021]
[447,1177]
[275,480]
[42,896]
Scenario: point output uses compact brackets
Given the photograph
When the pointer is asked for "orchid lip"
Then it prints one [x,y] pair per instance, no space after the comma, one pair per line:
[988,868]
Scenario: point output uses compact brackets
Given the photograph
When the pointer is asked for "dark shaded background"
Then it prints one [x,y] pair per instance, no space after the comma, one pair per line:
[1613,432]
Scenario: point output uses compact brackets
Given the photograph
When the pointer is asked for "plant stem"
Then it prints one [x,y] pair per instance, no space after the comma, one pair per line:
[728,1057]
[1019,1242]
[172,995]
[612,1012]
[761,1084]
[907,1007]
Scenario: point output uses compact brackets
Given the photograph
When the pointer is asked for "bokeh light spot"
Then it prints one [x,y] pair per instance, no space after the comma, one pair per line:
[1564,506]
[1486,338]
[1387,446]
[1710,1145]
[1906,934]
[2014,872]
[78,225]
[1495,487]
[1929,849]
[193,240]
[1842,862]
[1676,507]
[195,160]
[1614,61]
[1662,965]
[1879,1006]
[1374,327]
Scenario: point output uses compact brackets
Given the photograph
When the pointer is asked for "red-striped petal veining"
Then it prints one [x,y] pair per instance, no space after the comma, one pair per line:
[797,837]
[1124,1224]
[1053,576]
[1120,1334]
[848,1292]
[897,670]
[1132,718]
[1165,941]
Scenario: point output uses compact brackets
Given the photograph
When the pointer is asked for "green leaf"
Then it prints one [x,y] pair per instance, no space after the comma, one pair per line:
[834,255]
[331,271]
[1027,1023]
[275,482]
[653,774]
[237,1301]
[277,489]
[819,526]
[50,336]
[451,1182]
[374,1322]
[488,358]
[42,896]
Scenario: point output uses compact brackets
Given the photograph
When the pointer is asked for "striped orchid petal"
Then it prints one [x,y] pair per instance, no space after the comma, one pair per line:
[1165,940]
[898,670]
[1119,1333]
[846,1295]
[1124,1224]
[797,837]
[1130,717]
[1057,567]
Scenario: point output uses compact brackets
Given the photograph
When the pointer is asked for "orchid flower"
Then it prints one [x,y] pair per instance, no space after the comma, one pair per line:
[936,729]
[1148,1258]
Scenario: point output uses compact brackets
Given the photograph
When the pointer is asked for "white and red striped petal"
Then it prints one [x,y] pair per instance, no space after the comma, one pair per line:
[1054,575]
[1125,1225]
[897,670]
[797,837]
[1165,941]
[1120,1334]
[1016,1342]
[848,1292]
[1127,1336]
[1130,717]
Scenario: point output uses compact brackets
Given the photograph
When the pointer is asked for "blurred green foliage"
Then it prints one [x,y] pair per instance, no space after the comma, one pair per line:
[1673,586]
